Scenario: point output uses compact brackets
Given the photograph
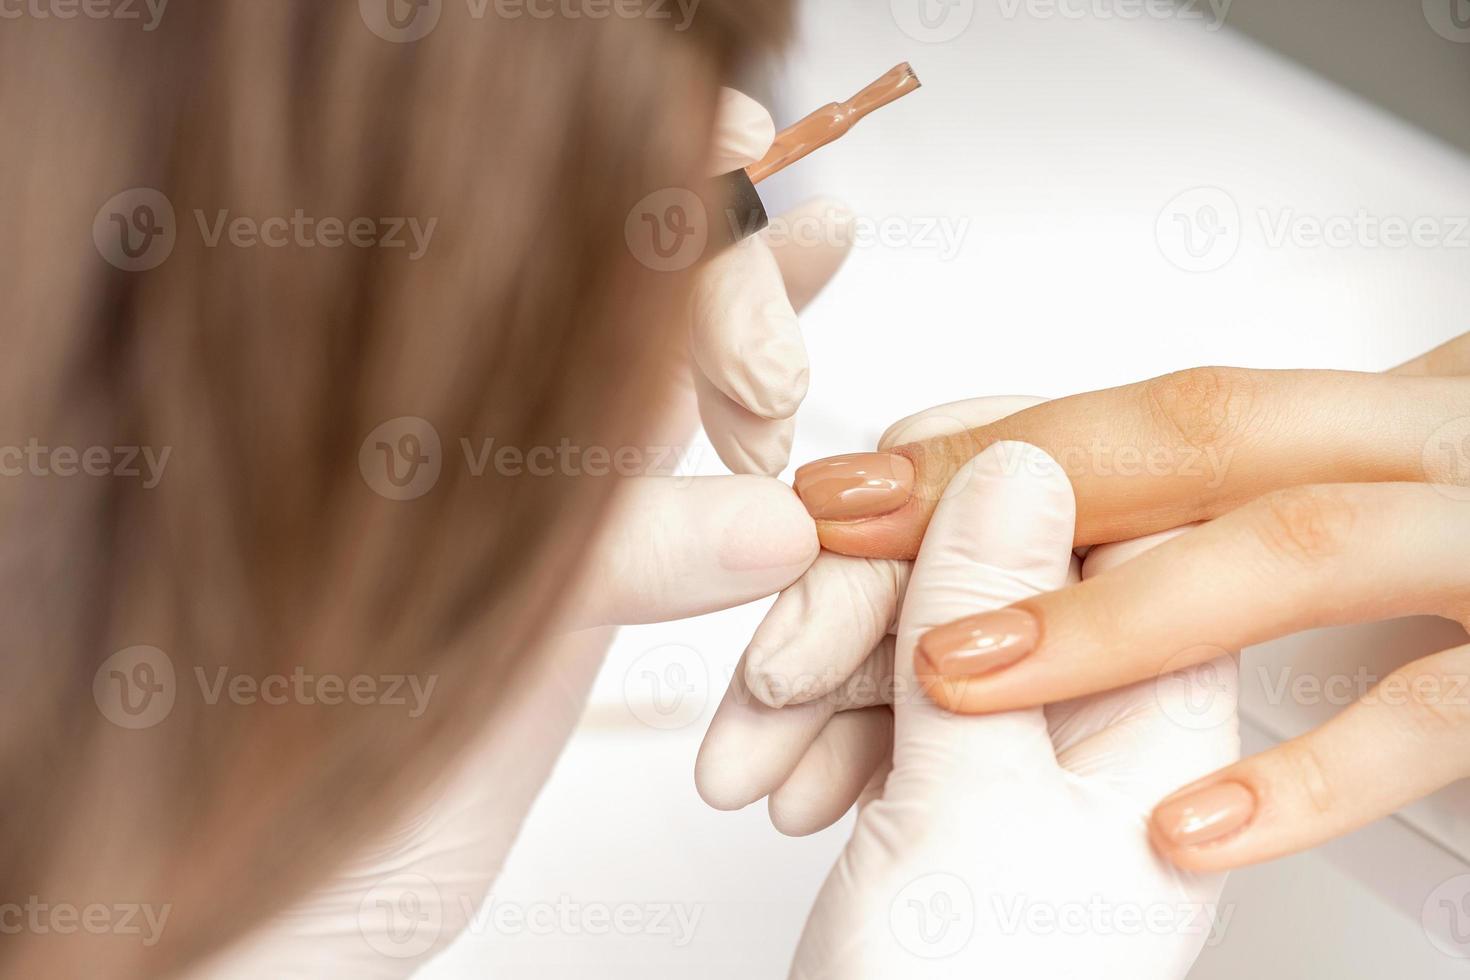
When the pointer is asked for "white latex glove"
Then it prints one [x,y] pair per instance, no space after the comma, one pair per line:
[1014,845]
[672,547]
[823,656]
[750,365]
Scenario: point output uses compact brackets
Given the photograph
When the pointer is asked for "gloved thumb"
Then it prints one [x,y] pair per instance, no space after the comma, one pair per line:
[1002,532]
[683,546]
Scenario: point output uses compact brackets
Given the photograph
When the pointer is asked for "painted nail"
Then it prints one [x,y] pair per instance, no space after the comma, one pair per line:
[855,487]
[980,644]
[1205,815]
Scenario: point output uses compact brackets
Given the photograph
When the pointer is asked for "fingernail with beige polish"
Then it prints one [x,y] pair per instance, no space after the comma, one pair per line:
[980,644]
[1205,815]
[855,487]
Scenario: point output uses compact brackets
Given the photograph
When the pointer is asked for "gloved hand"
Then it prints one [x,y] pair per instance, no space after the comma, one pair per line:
[1014,845]
[671,547]
[750,366]
[806,719]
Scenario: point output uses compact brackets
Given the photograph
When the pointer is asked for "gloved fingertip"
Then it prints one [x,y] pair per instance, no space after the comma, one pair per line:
[722,783]
[794,814]
[744,131]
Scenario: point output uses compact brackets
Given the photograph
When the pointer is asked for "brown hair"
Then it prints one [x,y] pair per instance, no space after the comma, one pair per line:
[264,548]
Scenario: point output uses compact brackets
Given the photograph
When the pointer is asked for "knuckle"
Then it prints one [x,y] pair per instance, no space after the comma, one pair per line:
[1433,705]
[1301,770]
[1306,525]
[1205,407]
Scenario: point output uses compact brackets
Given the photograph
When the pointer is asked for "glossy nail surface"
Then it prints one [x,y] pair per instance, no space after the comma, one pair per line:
[1205,815]
[855,487]
[980,644]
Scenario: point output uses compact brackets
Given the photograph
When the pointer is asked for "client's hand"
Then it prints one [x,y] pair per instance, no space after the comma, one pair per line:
[1338,498]
[1014,845]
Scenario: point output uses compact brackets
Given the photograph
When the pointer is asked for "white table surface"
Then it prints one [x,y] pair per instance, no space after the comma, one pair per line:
[1055,143]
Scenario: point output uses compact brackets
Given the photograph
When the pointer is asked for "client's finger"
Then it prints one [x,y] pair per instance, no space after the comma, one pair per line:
[1293,560]
[677,547]
[1155,455]
[1407,738]
[1447,360]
